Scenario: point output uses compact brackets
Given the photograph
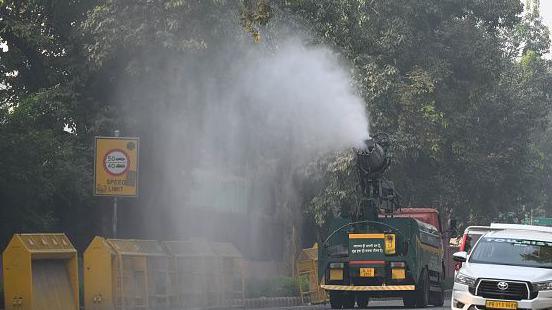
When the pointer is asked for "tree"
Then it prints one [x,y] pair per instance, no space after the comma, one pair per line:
[462,111]
[46,115]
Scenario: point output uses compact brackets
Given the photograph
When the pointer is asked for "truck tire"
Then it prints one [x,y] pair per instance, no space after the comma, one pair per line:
[336,300]
[409,301]
[438,298]
[422,290]
[362,300]
[348,300]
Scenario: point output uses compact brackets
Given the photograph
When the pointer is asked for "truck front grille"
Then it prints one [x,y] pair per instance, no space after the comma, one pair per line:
[499,289]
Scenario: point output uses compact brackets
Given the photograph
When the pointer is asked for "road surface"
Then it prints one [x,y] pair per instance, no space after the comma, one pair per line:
[374,304]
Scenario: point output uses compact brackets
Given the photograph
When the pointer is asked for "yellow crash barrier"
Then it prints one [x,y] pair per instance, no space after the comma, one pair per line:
[126,274]
[40,273]
[145,274]
[206,274]
[307,272]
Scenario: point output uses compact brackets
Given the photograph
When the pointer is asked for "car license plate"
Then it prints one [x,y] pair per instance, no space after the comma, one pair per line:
[499,304]
[367,272]
[336,274]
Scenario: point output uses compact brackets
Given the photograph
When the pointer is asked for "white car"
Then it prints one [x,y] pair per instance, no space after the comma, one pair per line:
[507,269]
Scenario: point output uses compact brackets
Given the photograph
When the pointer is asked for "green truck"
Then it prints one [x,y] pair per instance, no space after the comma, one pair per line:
[382,250]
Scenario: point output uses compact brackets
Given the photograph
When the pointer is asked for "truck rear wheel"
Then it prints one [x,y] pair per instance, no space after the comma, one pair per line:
[362,300]
[348,300]
[409,301]
[422,290]
[336,300]
[437,298]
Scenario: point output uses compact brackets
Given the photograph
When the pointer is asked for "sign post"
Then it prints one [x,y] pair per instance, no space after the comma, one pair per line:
[116,133]
[116,169]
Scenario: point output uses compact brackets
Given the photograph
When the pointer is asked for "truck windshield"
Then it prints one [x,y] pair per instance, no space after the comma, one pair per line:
[514,252]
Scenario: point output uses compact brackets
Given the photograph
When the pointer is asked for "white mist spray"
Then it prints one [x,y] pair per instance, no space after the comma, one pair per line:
[231,127]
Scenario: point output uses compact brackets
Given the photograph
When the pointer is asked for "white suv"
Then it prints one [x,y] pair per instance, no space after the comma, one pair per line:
[507,269]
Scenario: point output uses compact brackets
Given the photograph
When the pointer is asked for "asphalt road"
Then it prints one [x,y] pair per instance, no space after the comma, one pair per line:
[374,304]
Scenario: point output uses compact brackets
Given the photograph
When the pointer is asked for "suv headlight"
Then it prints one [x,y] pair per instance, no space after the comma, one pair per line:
[464,279]
[543,286]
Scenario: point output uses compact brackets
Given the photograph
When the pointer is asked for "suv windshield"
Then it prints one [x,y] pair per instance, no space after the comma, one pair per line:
[515,252]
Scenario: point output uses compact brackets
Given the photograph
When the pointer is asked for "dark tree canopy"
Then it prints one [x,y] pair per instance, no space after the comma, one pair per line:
[462,87]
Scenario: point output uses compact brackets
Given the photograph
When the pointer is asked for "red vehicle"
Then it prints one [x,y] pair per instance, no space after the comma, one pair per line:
[426,215]
[469,238]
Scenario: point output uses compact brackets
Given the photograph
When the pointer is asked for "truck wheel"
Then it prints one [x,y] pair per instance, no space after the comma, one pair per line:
[422,291]
[336,300]
[409,301]
[438,298]
[362,300]
[348,300]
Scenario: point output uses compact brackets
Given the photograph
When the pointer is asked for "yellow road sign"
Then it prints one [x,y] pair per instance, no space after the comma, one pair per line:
[116,167]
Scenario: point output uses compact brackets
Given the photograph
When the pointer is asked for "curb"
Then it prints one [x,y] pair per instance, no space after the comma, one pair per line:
[271,302]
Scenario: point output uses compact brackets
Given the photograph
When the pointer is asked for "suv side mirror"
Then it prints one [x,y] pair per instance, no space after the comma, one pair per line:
[460,257]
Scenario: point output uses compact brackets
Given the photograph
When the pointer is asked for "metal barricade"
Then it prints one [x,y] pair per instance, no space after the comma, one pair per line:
[40,273]
[126,275]
[307,273]
[206,274]
[144,274]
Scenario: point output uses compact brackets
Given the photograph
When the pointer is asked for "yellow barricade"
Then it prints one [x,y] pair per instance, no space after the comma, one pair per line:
[126,274]
[40,273]
[206,274]
[144,274]
[307,273]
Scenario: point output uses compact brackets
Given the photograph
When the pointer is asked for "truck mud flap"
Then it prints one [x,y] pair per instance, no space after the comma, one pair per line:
[369,288]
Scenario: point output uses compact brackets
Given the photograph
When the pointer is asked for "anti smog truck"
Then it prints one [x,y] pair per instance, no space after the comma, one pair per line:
[382,250]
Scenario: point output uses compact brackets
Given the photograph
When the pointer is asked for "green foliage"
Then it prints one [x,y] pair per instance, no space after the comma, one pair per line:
[461,86]
[253,14]
[45,177]
[462,110]
[531,35]
[335,180]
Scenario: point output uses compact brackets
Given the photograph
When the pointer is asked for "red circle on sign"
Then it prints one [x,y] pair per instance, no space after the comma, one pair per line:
[112,172]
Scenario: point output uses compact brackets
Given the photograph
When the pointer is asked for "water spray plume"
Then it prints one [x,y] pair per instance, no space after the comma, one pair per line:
[239,121]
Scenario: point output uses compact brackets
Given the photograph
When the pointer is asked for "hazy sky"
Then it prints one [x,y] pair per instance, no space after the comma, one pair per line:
[546,12]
